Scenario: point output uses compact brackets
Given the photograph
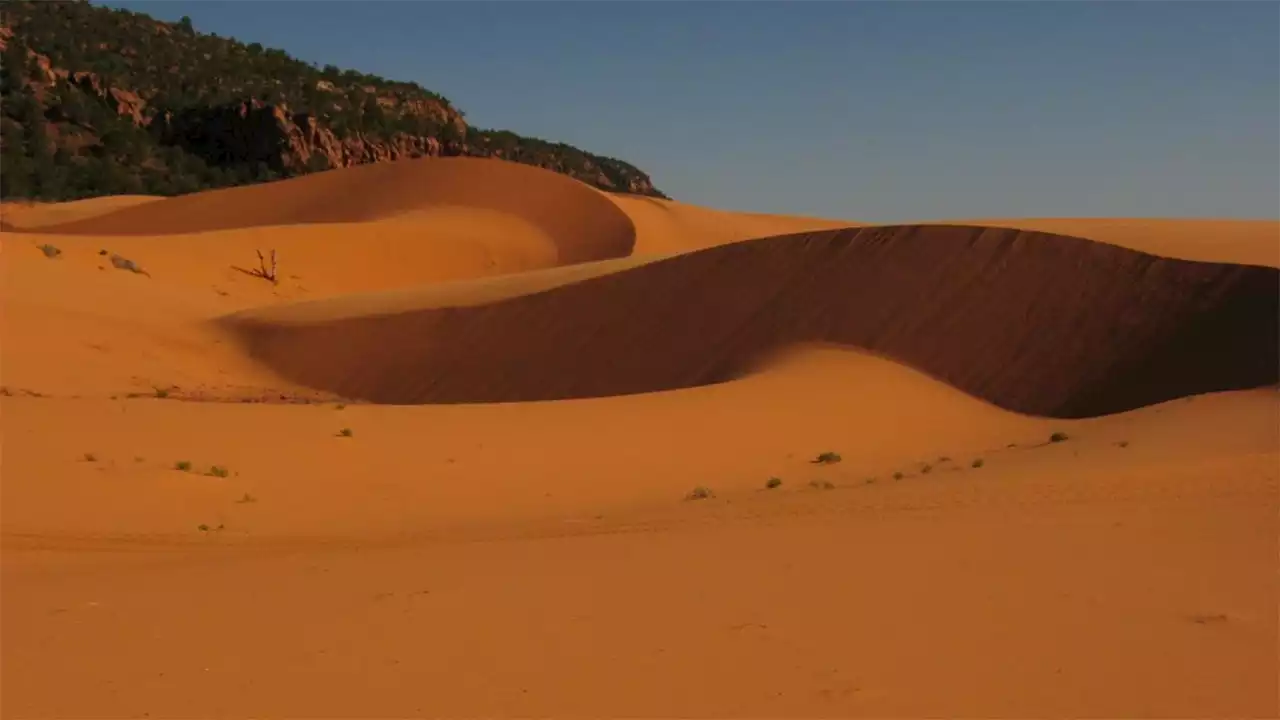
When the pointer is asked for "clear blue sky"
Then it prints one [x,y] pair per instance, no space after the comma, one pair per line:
[880,111]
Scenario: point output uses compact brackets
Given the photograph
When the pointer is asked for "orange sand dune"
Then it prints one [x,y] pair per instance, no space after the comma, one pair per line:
[583,224]
[537,559]
[1247,242]
[540,558]
[16,215]
[1040,324]
[664,226]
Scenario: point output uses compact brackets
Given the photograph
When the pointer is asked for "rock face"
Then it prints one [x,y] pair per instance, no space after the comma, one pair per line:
[148,106]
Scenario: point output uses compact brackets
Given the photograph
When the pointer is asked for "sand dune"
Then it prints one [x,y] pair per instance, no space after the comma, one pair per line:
[581,223]
[664,226]
[1246,242]
[21,216]
[539,558]
[1039,324]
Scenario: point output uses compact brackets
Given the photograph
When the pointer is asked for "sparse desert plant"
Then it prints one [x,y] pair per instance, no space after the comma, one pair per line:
[827,458]
[162,393]
[218,471]
[340,406]
[821,485]
[700,493]
[202,527]
[102,252]
[979,462]
[1058,437]
[898,475]
[926,469]
[90,457]
[120,262]
[345,432]
[182,466]
[264,271]
[50,251]
[944,459]
[773,482]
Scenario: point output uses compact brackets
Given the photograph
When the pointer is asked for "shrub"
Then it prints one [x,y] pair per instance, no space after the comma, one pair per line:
[926,469]
[218,471]
[700,493]
[827,458]
[898,476]
[90,457]
[50,251]
[773,482]
[123,263]
[345,432]
[978,463]
[182,465]
[1058,437]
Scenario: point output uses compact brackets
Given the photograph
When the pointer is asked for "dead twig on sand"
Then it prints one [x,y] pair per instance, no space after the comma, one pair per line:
[263,271]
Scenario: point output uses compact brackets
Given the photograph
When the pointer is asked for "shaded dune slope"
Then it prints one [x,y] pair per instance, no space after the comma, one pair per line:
[583,224]
[1039,324]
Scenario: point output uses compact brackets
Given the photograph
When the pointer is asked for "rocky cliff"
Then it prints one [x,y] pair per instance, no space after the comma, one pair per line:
[99,101]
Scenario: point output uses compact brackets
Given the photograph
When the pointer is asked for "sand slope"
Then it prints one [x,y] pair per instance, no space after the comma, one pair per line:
[1039,324]
[537,560]
[18,215]
[582,223]
[540,558]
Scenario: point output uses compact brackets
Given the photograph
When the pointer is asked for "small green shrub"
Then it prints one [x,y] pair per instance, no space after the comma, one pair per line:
[700,493]
[898,475]
[345,432]
[926,469]
[340,406]
[773,482]
[827,458]
[218,471]
[182,465]
[977,463]
[1058,437]
[162,393]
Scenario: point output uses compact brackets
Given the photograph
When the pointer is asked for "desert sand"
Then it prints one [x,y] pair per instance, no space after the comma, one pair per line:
[443,465]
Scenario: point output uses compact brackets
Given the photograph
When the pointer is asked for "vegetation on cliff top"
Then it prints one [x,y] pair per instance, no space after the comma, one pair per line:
[96,101]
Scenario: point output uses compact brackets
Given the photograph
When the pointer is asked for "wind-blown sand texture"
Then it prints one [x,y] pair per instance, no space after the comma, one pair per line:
[535,375]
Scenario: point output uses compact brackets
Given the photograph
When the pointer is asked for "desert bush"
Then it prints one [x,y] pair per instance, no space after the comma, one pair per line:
[827,458]
[1058,437]
[978,463]
[50,251]
[773,482]
[700,493]
[182,465]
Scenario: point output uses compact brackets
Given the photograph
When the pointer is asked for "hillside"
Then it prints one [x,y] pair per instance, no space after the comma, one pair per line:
[98,101]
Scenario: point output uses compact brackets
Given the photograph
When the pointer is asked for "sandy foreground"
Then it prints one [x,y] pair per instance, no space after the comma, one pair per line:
[541,558]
